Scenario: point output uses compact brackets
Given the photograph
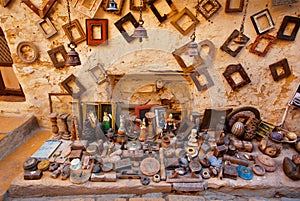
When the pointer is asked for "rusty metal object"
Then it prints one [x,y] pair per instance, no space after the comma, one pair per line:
[241,145]
[150,166]
[107,177]
[33,175]
[267,162]
[259,170]
[30,164]
[43,165]
[236,160]
[220,150]
[230,171]
[269,148]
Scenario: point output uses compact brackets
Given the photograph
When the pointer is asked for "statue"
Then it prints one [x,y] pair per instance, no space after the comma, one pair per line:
[170,125]
[106,122]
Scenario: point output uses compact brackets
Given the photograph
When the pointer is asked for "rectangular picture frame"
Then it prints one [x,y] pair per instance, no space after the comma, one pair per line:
[91,24]
[255,18]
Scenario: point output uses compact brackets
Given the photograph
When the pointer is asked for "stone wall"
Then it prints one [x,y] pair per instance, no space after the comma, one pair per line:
[154,54]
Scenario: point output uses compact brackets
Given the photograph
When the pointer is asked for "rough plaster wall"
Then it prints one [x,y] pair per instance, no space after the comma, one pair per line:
[154,53]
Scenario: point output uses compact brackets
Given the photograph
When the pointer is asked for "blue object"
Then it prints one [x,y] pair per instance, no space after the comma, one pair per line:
[244,172]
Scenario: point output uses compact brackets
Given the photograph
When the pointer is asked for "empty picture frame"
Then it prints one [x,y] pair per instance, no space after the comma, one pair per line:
[231,9]
[27,51]
[58,56]
[46,27]
[73,86]
[179,16]
[135,7]
[208,8]
[259,24]
[119,24]
[281,2]
[231,71]
[60,103]
[120,3]
[42,13]
[203,84]
[234,35]
[87,7]
[68,31]
[98,73]
[288,20]
[97,31]
[280,70]
[259,40]
[161,18]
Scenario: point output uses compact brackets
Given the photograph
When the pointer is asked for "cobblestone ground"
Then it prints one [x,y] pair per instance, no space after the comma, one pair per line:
[153,197]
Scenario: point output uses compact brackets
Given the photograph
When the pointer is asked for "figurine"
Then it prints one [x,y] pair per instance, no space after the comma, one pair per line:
[193,141]
[170,125]
[143,131]
[106,122]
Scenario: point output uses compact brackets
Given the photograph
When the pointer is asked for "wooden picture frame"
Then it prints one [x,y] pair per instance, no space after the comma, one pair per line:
[161,18]
[179,16]
[120,4]
[90,107]
[98,73]
[75,24]
[25,46]
[60,103]
[141,110]
[110,109]
[254,46]
[160,112]
[230,71]
[198,73]
[42,13]
[72,80]
[285,22]
[56,53]
[6,59]
[91,26]
[278,74]
[208,8]
[81,6]
[255,20]
[230,9]
[47,33]
[226,45]
[119,24]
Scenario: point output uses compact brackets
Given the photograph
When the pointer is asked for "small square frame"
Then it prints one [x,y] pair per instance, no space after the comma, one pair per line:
[103,23]
[79,5]
[105,3]
[229,9]
[198,72]
[282,63]
[230,70]
[286,20]
[74,24]
[98,73]
[179,15]
[164,17]
[258,39]
[50,33]
[208,13]
[256,16]
[69,89]
[119,24]
[53,52]
[137,8]
[234,35]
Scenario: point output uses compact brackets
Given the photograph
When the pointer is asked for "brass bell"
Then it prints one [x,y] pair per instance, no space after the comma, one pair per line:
[72,57]
[140,32]
[112,6]
[192,49]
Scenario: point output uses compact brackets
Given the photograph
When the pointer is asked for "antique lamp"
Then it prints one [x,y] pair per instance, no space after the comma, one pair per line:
[140,32]
[240,39]
[193,46]
[72,56]
[112,6]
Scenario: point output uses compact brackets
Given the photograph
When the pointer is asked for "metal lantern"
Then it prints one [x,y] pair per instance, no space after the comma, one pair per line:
[72,57]
[112,6]
[192,49]
[140,32]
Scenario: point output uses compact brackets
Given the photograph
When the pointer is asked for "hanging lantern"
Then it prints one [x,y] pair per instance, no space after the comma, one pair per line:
[140,32]
[112,6]
[193,47]
[72,56]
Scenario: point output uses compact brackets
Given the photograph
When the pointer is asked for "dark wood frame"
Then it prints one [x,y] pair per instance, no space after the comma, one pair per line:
[282,63]
[198,72]
[52,54]
[254,19]
[74,24]
[286,20]
[229,9]
[119,24]
[79,5]
[164,17]
[230,70]
[90,23]
[258,39]
[53,30]
[179,15]
[6,59]
[41,13]
[6,91]
[234,35]
[208,13]
[69,89]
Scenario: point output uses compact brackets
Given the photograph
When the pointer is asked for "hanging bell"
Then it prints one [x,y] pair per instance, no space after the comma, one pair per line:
[112,6]
[140,32]
[72,56]
[192,49]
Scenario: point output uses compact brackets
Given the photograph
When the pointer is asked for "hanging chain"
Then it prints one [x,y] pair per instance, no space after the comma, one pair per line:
[193,36]
[70,25]
[69,12]
[244,17]
[141,21]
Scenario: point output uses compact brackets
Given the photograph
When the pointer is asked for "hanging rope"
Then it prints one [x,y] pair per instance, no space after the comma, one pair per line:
[193,36]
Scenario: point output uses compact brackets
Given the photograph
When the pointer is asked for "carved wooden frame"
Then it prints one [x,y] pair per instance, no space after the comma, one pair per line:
[90,23]
[284,64]
[120,22]
[208,13]
[258,39]
[69,89]
[8,91]
[98,73]
[74,24]
[286,20]
[179,15]
[32,46]
[105,3]
[137,8]
[79,5]
[281,2]
[256,16]
[41,13]
[234,35]
[4,3]
[230,70]
[5,58]
[53,56]
[165,16]
[50,95]
[52,31]
[182,50]
[229,9]
[198,72]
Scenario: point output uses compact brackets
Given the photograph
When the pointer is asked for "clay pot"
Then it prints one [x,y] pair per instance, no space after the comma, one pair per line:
[291,169]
